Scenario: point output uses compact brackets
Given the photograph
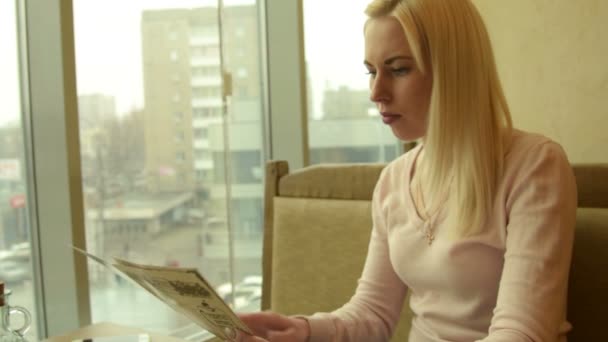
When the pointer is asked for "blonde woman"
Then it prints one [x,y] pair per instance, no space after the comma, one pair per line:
[477,222]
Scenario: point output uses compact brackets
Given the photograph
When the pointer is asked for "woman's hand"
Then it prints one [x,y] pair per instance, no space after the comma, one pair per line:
[272,327]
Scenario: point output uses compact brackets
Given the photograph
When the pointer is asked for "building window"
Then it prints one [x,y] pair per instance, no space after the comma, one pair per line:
[206,71]
[197,51]
[241,73]
[201,133]
[203,113]
[202,155]
[173,56]
[204,31]
[212,51]
[206,92]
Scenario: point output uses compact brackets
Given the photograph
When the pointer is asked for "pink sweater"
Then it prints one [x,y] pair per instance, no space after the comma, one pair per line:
[507,285]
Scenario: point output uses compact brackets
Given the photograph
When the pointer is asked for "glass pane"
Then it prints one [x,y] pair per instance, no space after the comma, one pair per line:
[343,125]
[15,252]
[159,158]
[242,48]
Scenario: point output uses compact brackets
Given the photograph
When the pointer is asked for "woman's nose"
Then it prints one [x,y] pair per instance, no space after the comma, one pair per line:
[378,91]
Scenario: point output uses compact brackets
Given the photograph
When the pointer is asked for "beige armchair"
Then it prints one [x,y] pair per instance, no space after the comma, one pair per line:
[318,222]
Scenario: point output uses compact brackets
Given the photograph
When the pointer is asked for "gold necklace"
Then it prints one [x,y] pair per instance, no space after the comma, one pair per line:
[420,204]
[428,216]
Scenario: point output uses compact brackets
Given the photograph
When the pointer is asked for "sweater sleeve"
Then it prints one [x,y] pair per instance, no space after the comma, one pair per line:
[541,209]
[372,313]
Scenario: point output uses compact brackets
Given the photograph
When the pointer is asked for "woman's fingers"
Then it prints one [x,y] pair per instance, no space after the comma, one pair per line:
[250,338]
[266,321]
[288,335]
[273,336]
[270,326]
[257,325]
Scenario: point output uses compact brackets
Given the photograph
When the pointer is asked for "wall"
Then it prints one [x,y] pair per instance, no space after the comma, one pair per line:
[552,56]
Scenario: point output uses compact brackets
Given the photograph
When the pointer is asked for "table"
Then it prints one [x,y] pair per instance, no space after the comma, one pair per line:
[109,329]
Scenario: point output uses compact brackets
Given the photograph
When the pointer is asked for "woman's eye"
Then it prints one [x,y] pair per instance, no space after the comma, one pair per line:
[400,71]
[371,73]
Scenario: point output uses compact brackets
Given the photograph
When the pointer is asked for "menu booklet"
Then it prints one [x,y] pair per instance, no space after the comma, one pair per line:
[183,289]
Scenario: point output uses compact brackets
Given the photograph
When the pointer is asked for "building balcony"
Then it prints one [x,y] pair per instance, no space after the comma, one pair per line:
[205,61]
[203,164]
[200,144]
[202,81]
[204,41]
[214,102]
[206,122]
[200,123]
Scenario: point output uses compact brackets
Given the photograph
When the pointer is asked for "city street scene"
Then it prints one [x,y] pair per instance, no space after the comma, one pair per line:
[116,299]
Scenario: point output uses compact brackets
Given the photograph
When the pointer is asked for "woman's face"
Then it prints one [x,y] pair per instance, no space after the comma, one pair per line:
[398,87]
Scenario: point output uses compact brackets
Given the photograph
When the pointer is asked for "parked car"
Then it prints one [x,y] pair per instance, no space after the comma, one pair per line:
[13,272]
[253,303]
[245,291]
[20,252]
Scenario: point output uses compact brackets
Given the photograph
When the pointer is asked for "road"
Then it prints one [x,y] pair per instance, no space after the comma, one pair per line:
[123,303]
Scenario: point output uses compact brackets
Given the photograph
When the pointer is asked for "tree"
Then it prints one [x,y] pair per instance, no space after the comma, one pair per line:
[124,150]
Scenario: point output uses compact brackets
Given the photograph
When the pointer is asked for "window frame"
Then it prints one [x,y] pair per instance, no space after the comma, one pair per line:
[50,119]
[285,69]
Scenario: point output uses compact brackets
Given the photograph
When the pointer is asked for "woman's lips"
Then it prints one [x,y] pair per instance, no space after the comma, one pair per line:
[389,118]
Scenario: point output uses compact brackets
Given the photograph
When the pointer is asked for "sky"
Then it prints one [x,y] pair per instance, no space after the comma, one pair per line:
[333,39]
[108,48]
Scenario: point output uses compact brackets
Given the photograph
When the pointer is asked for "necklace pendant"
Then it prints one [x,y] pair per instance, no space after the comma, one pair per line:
[430,238]
[428,233]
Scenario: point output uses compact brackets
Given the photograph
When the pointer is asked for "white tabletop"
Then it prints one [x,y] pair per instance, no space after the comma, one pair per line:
[109,329]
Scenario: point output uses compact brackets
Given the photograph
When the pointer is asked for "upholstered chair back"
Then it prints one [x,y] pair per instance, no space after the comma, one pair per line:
[318,223]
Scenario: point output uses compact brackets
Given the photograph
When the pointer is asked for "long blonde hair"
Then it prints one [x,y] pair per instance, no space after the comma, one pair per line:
[469,122]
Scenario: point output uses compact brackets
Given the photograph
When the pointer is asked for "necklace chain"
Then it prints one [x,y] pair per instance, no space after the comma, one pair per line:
[423,212]
[427,213]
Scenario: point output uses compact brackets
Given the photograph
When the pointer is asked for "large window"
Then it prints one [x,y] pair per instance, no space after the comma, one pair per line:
[171,171]
[15,230]
[343,125]
[164,172]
